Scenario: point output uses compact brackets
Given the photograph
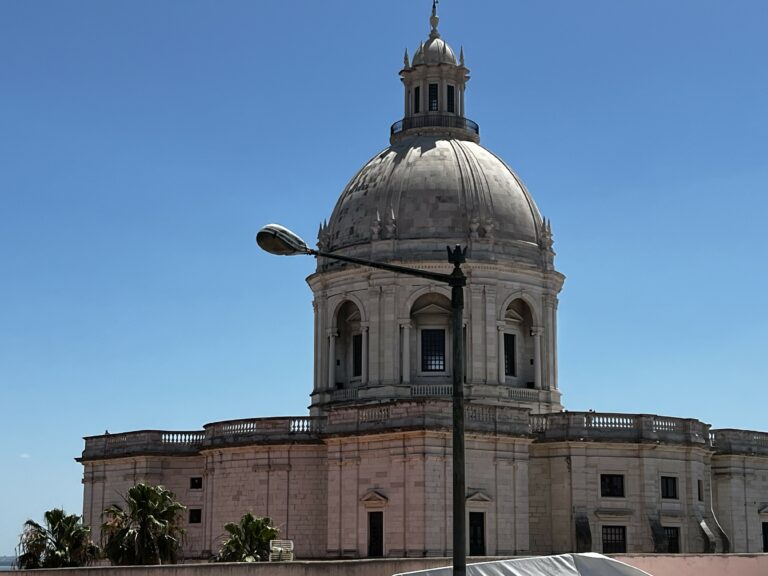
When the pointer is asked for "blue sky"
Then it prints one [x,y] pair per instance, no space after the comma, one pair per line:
[143,143]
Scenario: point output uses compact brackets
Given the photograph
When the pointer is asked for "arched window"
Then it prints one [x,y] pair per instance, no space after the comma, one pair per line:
[430,317]
[349,348]
[516,362]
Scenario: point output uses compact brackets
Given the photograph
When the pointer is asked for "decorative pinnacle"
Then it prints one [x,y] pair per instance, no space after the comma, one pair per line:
[434,20]
[406,60]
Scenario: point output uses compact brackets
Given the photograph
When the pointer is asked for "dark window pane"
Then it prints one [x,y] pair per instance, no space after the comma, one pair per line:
[195,515]
[433,98]
[451,99]
[357,355]
[700,490]
[614,539]
[669,487]
[196,483]
[417,100]
[672,534]
[433,350]
[612,485]
[510,368]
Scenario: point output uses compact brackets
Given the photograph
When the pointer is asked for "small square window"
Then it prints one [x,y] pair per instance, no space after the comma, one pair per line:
[669,487]
[195,515]
[614,539]
[612,485]
[196,483]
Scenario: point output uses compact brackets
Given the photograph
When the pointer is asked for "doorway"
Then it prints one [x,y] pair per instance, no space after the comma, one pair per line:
[477,533]
[375,534]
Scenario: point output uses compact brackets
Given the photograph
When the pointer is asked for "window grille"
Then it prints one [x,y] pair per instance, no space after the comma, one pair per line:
[672,534]
[614,539]
[612,485]
[433,350]
[451,99]
[433,98]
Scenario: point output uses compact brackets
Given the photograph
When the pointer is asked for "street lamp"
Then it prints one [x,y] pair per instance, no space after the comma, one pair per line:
[277,239]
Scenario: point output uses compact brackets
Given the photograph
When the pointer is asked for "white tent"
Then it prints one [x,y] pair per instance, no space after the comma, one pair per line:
[588,564]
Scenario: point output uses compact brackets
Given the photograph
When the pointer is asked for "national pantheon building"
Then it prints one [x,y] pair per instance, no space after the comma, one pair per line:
[368,472]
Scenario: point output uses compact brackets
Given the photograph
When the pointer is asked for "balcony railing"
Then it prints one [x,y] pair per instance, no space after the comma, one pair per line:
[435,121]
[431,410]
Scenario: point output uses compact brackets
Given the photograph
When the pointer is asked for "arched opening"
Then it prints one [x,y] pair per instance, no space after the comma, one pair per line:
[349,347]
[517,347]
[429,340]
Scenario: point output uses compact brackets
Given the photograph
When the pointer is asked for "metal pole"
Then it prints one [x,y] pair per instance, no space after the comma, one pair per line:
[458,280]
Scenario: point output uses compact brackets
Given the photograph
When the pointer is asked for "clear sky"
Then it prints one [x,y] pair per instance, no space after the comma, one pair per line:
[143,143]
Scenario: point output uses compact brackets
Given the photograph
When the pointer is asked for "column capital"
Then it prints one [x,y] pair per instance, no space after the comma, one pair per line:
[537,330]
[332,332]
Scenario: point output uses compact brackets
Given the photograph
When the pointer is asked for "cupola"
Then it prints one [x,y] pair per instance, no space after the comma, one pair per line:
[434,84]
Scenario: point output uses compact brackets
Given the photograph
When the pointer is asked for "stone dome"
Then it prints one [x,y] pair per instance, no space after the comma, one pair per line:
[434,51]
[432,187]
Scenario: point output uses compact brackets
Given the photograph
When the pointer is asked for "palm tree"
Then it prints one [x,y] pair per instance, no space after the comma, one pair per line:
[63,542]
[247,540]
[147,531]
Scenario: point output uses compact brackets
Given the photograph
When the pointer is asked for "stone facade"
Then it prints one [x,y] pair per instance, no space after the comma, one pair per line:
[368,472]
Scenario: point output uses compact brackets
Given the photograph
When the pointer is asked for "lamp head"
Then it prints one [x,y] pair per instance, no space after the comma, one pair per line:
[277,239]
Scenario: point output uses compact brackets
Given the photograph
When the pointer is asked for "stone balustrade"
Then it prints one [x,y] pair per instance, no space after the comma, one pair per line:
[433,413]
[606,427]
[731,441]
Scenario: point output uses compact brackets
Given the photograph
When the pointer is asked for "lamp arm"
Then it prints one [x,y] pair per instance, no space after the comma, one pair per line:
[449,279]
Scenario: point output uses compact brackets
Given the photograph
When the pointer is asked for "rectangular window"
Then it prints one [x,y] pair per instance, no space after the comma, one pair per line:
[669,487]
[612,485]
[196,483]
[672,534]
[417,100]
[700,490]
[433,350]
[433,98]
[614,539]
[357,355]
[195,515]
[510,366]
[451,99]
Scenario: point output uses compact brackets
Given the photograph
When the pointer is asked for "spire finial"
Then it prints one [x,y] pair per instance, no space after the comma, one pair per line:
[434,20]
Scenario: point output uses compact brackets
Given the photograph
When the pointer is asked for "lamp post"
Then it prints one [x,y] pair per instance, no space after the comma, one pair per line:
[277,239]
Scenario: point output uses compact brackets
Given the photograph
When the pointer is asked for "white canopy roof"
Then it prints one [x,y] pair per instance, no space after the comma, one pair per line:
[589,564]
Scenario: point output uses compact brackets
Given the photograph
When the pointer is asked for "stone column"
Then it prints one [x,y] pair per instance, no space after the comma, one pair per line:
[364,375]
[536,333]
[331,359]
[406,352]
[501,363]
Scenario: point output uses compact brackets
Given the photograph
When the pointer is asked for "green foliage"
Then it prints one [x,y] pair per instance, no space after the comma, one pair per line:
[63,542]
[147,531]
[247,540]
